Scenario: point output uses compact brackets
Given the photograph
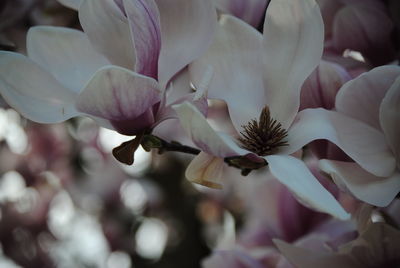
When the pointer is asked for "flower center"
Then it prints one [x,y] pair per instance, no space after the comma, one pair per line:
[264,136]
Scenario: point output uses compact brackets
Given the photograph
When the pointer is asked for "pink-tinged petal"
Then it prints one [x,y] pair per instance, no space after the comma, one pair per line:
[144,23]
[371,189]
[32,91]
[320,88]
[206,170]
[293,43]
[361,98]
[108,31]
[121,96]
[390,118]
[237,65]
[304,258]
[187,31]
[293,173]
[295,219]
[66,53]
[201,133]
[74,4]
[363,143]
[251,11]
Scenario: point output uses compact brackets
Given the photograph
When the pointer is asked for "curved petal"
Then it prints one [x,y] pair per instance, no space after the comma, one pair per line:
[74,4]
[206,170]
[361,98]
[201,133]
[235,60]
[32,91]
[293,173]
[144,23]
[121,96]
[371,189]
[66,53]
[364,144]
[186,33]
[390,118]
[108,31]
[293,40]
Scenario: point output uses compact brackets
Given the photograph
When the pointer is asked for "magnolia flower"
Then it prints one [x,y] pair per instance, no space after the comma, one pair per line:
[116,71]
[261,76]
[373,100]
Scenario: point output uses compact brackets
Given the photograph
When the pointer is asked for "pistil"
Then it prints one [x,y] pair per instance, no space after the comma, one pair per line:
[265,136]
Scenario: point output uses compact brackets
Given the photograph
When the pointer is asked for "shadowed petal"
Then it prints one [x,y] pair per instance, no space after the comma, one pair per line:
[390,118]
[320,88]
[187,31]
[251,11]
[365,27]
[361,98]
[32,91]
[371,189]
[66,53]
[108,31]
[237,65]
[363,143]
[144,23]
[121,96]
[201,133]
[293,173]
[293,40]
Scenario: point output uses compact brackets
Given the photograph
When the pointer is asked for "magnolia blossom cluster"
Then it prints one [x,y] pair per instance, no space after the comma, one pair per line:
[301,97]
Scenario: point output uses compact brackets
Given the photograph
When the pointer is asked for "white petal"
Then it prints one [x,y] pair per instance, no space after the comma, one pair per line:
[360,98]
[238,70]
[206,170]
[363,143]
[32,91]
[293,39]
[66,53]
[390,118]
[187,29]
[108,31]
[201,133]
[293,173]
[377,191]
[74,4]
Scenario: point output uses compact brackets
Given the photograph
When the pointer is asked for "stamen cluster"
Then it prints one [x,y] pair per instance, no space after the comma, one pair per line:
[265,136]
